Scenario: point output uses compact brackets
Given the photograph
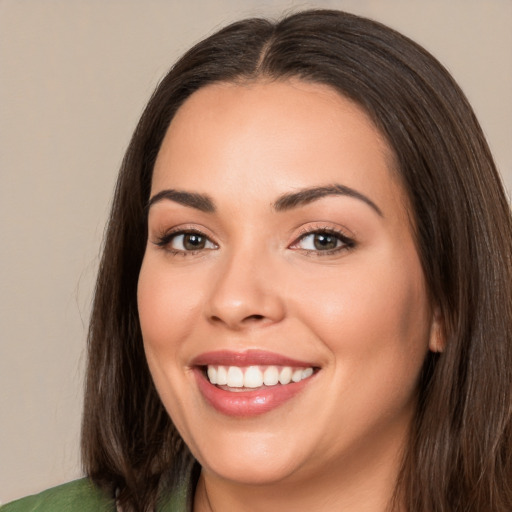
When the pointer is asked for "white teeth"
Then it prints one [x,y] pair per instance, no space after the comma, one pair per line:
[253,377]
[286,375]
[256,376]
[222,376]
[271,376]
[235,377]
[297,376]
[307,373]
[212,374]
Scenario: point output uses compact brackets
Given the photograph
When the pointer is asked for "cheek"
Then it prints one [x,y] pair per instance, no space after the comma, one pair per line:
[374,313]
[167,303]
[167,312]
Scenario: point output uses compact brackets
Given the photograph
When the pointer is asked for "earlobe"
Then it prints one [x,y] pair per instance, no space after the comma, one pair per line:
[437,336]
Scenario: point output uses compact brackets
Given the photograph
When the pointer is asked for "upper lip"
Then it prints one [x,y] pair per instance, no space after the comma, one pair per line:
[247,358]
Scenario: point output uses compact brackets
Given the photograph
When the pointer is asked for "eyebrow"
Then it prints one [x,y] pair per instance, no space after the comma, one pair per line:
[308,195]
[192,200]
[285,202]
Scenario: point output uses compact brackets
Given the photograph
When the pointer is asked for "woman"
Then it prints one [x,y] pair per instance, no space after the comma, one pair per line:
[304,300]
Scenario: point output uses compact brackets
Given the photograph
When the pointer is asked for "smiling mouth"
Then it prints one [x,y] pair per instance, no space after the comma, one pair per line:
[252,382]
[249,378]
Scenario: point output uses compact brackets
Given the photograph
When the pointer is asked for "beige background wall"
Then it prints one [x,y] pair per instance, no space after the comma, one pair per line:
[74,76]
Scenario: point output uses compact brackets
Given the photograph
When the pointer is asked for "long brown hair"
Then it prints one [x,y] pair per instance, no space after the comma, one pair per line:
[459,455]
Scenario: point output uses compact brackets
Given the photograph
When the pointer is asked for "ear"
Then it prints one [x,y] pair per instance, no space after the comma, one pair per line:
[437,341]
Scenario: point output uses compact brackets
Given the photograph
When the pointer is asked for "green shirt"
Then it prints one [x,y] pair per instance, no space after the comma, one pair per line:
[83,496]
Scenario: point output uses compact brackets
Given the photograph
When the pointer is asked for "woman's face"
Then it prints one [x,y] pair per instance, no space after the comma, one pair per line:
[280,248]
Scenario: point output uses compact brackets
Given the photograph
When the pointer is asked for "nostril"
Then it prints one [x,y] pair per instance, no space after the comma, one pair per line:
[245,320]
[254,317]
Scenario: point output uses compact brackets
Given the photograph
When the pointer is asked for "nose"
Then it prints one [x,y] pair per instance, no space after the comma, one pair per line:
[245,293]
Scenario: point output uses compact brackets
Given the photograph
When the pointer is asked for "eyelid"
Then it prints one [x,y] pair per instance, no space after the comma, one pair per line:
[164,239]
[347,241]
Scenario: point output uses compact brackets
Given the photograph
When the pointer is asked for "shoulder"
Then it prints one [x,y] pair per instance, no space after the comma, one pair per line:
[81,495]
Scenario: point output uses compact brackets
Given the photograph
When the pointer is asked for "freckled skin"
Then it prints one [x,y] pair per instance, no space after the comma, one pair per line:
[360,314]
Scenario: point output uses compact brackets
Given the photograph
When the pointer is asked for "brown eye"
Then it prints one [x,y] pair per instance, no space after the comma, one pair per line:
[325,241]
[193,241]
[184,242]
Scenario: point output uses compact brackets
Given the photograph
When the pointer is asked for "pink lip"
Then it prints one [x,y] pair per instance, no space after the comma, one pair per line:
[247,403]
[247,358]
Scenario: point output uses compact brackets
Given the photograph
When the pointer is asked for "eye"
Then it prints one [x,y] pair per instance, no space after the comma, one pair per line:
[185,241]
[325,241]
[190,242]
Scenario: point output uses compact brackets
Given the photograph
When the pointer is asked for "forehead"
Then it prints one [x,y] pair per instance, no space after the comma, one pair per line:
[274,136]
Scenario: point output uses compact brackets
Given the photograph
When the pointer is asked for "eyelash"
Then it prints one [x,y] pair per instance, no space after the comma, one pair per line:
[165,240]
[346,243]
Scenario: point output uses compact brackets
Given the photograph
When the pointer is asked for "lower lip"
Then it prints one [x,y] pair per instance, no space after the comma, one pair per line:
[247,403]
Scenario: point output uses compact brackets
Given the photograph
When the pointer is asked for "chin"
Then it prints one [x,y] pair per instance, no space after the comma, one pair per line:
[253,462]
[259,473]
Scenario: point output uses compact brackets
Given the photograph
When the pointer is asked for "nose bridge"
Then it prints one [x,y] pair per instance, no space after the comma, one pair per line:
[245,290]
